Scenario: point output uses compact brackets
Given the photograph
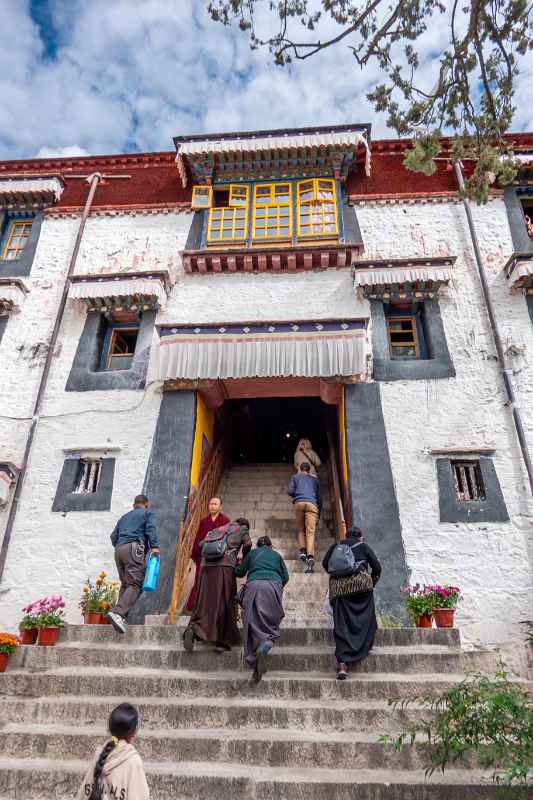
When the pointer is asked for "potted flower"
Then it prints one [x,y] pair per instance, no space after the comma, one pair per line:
[93,599]
[49,614]
[28,626]
[446,599]
[8,644]
[110,598]
[420,602]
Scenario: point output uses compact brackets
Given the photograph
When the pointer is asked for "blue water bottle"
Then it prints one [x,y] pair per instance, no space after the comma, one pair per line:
[150,576]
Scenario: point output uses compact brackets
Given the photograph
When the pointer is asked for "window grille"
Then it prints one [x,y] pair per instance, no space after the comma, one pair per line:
[122,348]
[228,218]
[272,217]
[317,207]
[18,234]
[403,337]
[468,481]
[88,476]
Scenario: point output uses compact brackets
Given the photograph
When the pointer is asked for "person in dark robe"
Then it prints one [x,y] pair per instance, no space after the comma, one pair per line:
[214,618]
[214,519]
[354,612]
[262,602]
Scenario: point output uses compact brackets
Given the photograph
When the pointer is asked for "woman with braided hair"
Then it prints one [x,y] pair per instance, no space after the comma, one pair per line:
[117,771]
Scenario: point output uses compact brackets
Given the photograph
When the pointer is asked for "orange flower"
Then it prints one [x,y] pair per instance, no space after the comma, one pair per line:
[85,589]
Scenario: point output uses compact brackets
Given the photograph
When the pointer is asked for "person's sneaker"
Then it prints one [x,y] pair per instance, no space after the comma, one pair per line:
[342,672]
[303,556]
[188,640]
[118,622]
[310,565]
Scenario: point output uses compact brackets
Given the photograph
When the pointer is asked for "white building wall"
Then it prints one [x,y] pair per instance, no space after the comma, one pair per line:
[492,562]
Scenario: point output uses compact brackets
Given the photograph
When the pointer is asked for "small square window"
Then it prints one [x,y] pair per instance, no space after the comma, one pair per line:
[17,235]
[88,476]
[468,481]
[119,347]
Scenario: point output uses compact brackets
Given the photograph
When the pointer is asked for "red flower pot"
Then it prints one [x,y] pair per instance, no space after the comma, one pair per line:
[93,618]
[3,661]
[28,635]
[425,621]
[104,620]
[444,617]
[48,636]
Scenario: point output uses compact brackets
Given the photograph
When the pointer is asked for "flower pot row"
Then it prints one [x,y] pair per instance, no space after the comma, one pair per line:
[46,637]
[444,618]
[96,618]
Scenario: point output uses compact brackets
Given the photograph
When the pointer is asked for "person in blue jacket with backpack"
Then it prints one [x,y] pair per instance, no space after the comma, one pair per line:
[353,570]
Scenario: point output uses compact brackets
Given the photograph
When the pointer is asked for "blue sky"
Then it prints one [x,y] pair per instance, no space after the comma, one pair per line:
[105,76]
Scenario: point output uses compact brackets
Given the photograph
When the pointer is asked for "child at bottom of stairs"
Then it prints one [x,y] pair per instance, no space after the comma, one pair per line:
[117,770]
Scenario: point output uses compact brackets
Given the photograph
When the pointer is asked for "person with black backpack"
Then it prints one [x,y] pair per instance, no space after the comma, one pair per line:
[214,618]
[353,570]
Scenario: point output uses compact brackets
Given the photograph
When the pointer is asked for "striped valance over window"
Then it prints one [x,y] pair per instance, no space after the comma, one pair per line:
[298,349]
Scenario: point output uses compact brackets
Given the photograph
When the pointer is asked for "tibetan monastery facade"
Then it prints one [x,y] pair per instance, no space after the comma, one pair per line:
[279,264]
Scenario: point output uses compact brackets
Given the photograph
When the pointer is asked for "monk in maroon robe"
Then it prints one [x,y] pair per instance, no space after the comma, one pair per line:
[214,520]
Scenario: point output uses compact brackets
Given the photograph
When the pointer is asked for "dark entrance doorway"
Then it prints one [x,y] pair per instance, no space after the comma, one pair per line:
[267,429]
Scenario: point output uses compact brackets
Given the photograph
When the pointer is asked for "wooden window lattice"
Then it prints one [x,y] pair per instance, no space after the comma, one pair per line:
[88,476]
[468,481]
[17,236]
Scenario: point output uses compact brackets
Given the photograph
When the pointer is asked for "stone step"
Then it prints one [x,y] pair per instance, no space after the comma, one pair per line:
[261,748]
[44,779]
[405,659]
[227,713]
[155,634]
[226,682]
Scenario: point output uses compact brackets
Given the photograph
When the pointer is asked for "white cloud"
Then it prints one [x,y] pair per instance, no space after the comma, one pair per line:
[72,151]
[130,74]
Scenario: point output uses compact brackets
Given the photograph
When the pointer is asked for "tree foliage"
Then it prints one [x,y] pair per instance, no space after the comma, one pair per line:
[471,95]
[486,717]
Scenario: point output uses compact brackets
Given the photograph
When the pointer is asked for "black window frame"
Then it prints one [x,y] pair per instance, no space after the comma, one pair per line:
[491,508]
[67,499]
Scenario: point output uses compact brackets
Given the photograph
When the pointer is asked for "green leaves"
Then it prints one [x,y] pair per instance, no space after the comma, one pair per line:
[486,719]
[470,97]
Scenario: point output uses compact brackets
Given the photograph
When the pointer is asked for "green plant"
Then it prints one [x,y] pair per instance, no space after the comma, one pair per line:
[419,600]
[445,596]
[28,622]
[98,596]
[47,612]
[8,643]
[488,717]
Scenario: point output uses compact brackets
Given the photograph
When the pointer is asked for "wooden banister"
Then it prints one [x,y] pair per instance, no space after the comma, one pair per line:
[335,491]
[199,508]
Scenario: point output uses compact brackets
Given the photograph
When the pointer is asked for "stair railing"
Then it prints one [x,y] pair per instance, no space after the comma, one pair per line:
[335,491]
[188,529]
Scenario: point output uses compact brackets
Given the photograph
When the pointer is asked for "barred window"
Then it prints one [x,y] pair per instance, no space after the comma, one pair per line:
[468,481]
[88,476]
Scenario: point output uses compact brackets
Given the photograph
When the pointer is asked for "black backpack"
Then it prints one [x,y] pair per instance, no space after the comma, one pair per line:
[215,544]
[343,562]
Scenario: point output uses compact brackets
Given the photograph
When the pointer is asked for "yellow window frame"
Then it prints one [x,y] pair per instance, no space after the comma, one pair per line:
[315,203]
[198,195]
[232,219]
[414,335]
[272,204]
[17,228]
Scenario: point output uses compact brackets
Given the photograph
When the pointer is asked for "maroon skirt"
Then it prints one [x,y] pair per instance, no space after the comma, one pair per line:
[214,618]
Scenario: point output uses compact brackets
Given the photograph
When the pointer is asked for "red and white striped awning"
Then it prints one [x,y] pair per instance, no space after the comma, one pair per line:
[137,292]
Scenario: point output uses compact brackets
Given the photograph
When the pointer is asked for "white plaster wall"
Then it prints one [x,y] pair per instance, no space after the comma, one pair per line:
[492,562]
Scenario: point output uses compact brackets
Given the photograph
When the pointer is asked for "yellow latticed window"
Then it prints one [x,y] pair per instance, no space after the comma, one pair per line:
[201,197]
[17,235]
[272,214]
[317,208]
[228,217]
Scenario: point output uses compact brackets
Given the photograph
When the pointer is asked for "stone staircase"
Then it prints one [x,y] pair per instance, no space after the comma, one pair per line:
[206,730]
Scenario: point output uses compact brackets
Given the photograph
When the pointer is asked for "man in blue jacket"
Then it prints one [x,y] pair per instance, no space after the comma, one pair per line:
[134,534]
[304,489]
